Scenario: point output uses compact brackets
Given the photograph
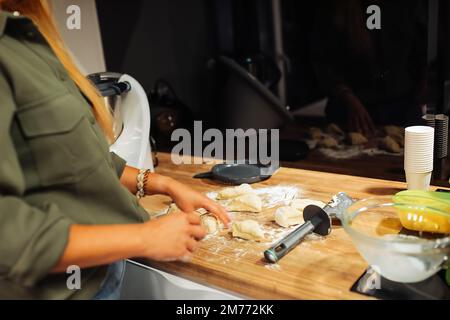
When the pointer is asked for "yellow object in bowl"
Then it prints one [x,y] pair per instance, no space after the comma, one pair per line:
[423,210]
[423,219]
[431,199]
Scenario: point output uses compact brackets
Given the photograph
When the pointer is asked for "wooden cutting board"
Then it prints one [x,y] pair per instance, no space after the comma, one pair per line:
[319,268]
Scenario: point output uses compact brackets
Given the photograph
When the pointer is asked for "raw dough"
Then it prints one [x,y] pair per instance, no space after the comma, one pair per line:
[172,208]
[248,230]
[356,138]
[249,202]
[301,204]
[288,216]
[394,131]
[328,142]
[390,145]
[233,192]
[400,140]
[315,133]
[334,129]
[210,223]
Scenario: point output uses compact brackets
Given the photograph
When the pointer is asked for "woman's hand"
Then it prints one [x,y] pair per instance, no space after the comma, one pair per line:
[358,119]
[171,237]
[188,200]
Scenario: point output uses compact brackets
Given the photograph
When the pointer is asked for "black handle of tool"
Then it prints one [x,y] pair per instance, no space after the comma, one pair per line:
[203,175]
[281,248]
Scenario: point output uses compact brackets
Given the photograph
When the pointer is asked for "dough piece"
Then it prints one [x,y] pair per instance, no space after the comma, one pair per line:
[328,142]
[399,140]
[334,129]
[172,208]
[288,216]
[356,138]
[210,223]
[247,229]
[201,211]
[233,192]
[390,145]
[246,203]
[394,131]
[315,133]
[301,204]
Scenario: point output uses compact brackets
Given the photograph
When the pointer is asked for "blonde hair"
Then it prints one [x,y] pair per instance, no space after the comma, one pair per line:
[39,12]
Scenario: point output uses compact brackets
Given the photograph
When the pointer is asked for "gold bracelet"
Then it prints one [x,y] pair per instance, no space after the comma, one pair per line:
[142,179]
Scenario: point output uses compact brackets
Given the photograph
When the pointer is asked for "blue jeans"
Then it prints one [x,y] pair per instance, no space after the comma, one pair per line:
[112,285]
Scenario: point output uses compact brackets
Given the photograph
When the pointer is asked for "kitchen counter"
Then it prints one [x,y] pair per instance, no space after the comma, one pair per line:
[382,166]
[316,269]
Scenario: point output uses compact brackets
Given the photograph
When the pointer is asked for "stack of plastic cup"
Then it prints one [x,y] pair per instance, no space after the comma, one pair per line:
[419,147]
[441,136]
[429,120]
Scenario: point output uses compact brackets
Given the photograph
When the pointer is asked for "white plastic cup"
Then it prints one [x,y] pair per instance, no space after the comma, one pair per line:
[418,181]
[418,167]
[411,164]
[419,149]
[419,130]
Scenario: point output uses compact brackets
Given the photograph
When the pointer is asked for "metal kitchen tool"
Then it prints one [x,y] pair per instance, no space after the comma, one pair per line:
[235,174]
[317,220]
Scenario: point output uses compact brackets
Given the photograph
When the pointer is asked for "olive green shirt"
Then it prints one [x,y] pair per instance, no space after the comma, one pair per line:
[55,168]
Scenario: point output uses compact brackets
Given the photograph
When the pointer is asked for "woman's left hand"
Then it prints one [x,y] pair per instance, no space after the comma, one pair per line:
[189,200]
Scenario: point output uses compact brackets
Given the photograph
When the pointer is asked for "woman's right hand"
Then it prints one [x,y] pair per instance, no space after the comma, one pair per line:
[172,237]
[358,118]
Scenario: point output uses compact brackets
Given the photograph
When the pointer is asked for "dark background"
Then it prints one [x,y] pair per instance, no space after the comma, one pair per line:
[175,39]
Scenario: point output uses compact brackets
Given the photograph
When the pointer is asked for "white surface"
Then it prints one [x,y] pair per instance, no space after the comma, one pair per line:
[85,44]
[143,282]
[418,181]
[419,149]
[133,144]
[419,130]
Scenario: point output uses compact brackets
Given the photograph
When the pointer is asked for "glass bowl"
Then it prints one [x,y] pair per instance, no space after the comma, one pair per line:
[381,230]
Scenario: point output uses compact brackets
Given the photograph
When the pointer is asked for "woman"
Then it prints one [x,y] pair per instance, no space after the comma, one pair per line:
[64,199]
[371,76]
